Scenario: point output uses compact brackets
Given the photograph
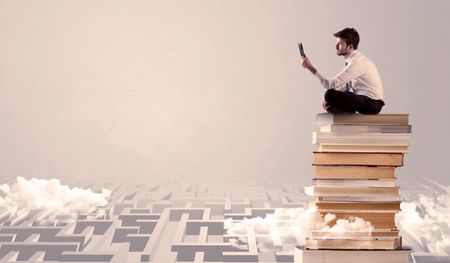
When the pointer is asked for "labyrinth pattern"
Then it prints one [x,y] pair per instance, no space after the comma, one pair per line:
[164,222]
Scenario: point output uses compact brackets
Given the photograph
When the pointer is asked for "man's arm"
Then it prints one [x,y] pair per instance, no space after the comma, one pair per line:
[338,82]
[307,64]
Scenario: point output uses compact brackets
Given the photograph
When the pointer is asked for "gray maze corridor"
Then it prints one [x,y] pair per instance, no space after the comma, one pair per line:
[176,221]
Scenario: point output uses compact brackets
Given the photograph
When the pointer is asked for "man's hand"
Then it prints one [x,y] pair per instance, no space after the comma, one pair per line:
[307,64]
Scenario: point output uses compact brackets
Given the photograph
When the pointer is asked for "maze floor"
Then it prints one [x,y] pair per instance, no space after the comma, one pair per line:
[161,222]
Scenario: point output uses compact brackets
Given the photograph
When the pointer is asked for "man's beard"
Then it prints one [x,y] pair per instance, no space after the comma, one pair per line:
[341,53]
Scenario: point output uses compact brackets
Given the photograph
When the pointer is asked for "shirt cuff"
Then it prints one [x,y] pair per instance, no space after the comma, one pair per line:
[321,79]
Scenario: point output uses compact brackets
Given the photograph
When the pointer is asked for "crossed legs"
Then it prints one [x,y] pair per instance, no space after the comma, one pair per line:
[349,102]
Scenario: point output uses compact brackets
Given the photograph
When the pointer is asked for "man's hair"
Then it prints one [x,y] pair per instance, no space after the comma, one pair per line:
[349,35]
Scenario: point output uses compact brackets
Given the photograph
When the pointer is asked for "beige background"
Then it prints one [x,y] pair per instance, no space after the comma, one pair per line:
[205,88]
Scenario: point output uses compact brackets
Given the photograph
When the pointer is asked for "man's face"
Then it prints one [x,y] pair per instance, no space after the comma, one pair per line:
[342,49]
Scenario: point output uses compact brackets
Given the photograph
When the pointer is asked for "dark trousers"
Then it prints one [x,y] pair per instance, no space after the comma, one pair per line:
[349,102]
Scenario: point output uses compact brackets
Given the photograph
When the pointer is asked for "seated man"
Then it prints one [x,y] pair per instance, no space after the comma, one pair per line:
[358,87]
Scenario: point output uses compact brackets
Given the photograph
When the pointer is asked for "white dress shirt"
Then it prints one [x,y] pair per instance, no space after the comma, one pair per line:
[362,75]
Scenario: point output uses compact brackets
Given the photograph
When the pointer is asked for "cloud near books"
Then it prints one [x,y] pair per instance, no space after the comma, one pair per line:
[427,226]
[289,226]
[285,225]
[49,195]
[424,220]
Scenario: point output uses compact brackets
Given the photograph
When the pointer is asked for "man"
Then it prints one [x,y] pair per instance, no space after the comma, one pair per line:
[358,87]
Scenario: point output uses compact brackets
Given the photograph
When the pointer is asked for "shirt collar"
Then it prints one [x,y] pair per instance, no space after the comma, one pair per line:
[354,53]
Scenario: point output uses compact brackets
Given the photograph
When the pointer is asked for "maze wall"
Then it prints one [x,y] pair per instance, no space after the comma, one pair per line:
[151,223]
[158,222]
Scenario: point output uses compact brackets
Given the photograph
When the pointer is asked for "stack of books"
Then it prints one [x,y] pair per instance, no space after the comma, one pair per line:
[354,177]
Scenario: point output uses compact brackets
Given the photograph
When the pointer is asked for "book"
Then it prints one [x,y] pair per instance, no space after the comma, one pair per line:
[354,172]
[354,177]
[359,128]
[378,119]
[385,139]
[368,159]
[303,255]
[377,224]
[349,206]
[382,198]
[355,182]
[323,147]
[351,234]
[379,219]
[354,243]
[315,190]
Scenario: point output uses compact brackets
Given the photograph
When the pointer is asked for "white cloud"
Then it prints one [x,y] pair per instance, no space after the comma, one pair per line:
[50,195]
[431,227]
[289,226]
[351,225]
[427,221]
